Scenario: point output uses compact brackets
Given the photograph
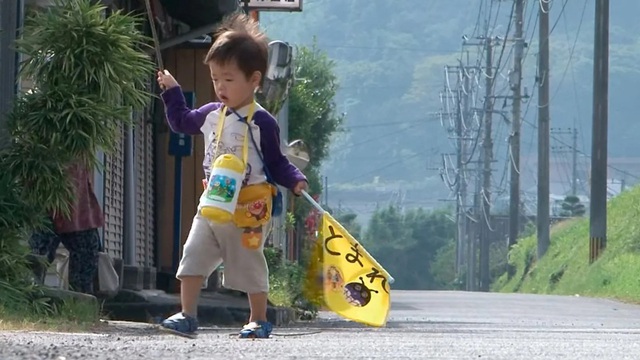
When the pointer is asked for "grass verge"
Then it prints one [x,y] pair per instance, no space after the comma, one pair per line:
[65,316]
[565,269]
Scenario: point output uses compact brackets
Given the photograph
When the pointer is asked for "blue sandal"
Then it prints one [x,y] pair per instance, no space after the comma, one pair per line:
[256,330]
[181,323]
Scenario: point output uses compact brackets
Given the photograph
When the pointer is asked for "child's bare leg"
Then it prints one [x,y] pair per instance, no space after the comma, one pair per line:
[258,305]
[247,270]
[190,288]
[201,255]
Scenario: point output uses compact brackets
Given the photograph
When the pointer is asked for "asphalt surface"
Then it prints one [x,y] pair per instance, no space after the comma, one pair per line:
[422,325]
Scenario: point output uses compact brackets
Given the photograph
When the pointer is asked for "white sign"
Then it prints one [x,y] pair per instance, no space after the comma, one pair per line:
[275,5]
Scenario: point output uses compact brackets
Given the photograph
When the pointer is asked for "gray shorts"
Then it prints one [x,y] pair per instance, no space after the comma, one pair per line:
[240,249]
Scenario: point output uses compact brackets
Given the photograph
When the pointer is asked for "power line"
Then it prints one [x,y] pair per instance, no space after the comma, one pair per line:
[366,141]
[573,47]
[388,123]
[384,167]
[394,48]
[585,154]
[573,75]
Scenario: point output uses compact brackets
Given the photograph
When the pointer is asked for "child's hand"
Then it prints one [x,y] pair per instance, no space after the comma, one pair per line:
[302,185]
[166,80]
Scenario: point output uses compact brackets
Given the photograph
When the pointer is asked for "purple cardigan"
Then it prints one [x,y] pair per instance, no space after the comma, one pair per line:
[181,119]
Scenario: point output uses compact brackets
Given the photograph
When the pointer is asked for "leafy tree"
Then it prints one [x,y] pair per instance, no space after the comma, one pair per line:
[406,244]
[350,223]
[572,207]
[387,230]
[312,112]
[443,267]
[90,73]
[313,119]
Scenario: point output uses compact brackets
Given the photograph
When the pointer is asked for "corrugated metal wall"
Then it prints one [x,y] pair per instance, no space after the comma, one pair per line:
[114,199]
[145,199]
[144,193]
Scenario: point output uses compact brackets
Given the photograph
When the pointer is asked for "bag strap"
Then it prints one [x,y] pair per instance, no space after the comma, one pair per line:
[253,140]
[245,146]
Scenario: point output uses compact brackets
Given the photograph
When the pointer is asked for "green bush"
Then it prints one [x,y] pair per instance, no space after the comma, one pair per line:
[288,283]
[17,217]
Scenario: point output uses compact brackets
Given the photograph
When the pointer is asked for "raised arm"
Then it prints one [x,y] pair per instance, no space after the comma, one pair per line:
[182,119]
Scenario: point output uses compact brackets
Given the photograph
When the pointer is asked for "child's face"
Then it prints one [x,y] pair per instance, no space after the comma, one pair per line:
[232,86]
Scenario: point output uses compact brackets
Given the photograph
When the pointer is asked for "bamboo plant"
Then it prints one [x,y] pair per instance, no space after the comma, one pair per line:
[90,70]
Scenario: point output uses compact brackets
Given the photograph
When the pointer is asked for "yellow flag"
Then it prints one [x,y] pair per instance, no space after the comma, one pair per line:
[312,289]
[355,285]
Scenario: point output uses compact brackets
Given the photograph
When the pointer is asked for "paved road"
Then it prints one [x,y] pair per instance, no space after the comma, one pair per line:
[422,325]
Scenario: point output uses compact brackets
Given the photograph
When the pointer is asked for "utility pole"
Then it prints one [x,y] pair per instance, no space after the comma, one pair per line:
[475,238]
[574,163]
[471,239]
[543,131]
[599,153]
[487,156]
[454,100]
[573,149]
[514,143]
[478,277]
[458,110]
[461,178]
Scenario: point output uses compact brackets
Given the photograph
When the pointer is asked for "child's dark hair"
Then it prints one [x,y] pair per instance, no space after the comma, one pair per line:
[239,39]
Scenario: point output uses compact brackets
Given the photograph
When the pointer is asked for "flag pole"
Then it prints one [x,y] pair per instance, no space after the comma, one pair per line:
[315,204]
